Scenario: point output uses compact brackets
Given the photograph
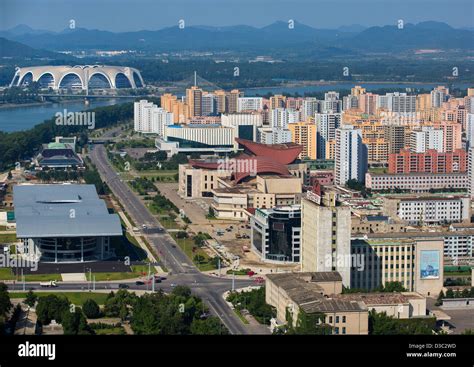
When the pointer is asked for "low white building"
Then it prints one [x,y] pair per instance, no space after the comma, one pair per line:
[429,209]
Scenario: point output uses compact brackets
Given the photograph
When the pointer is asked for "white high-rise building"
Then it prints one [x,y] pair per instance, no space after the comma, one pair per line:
[268,135]
[309,108]
[470,172]
[350,155]
[438,96]
[149,118]
[331,103]
[427,138]
[326,125]
[249,104]
[281,117]
[470,130]
[401,102]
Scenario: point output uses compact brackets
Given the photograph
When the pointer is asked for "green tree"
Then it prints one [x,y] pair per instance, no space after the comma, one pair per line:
[91,309]
[439,300]
[30,299]
[75,323]
[210,326]
[309,324]
[51,307]
[5,304]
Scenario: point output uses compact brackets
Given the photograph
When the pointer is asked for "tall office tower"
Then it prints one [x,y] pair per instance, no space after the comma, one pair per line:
[194,101]
[304,134]
[232,99]
[395,135]
[350,155]
[470,171]
[368,103]
[325,236]
[470,130]
[277,101]
[427,138]
[309,108]
[220,101]
[438,96]
[209,105]
[326,125]
[401,102]
[249,104]
[281,117]
[331,103]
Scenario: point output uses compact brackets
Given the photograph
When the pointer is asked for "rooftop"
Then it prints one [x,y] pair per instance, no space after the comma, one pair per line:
[43,211]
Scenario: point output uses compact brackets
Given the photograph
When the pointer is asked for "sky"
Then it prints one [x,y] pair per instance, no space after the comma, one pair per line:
[132,15]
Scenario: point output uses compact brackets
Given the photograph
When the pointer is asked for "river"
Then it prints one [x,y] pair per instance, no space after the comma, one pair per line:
[25,117]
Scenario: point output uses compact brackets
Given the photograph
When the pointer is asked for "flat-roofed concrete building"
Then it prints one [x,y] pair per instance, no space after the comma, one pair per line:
[325,235]
[63,223]
[428,209]
[413,260]
[311,292]
[416,182]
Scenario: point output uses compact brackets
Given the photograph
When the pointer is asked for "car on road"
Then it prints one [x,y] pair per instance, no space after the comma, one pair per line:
[172,285]
[144,226]
[139,282]
[123,286]
[50,284]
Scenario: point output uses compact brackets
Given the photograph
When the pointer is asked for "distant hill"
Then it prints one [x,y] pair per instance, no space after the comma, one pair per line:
[277,37]
[18,50]
[422,35]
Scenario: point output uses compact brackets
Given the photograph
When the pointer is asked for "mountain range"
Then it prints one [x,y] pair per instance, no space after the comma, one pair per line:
[275,38]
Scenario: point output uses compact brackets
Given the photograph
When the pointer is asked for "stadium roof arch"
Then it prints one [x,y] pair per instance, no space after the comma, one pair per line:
[79,77]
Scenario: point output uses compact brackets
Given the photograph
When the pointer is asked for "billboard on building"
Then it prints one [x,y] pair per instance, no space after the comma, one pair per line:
[429,264]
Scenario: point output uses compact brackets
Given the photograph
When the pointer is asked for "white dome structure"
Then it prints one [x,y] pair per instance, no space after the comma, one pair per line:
[79,77]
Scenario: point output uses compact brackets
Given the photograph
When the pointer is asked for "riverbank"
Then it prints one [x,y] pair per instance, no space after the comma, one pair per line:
[19,105]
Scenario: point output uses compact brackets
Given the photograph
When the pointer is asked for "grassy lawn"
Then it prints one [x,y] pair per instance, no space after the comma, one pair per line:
[110,331]
[42,277]
[7,237]
[77,298]
[187,245]
[137,272]
[240,316]
[378,170]
[168,223]
[6,274]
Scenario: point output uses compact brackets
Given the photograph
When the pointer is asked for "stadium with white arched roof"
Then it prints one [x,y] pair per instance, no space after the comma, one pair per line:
[79,77]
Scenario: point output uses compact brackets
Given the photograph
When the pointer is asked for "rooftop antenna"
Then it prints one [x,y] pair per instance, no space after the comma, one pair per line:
[195,78]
